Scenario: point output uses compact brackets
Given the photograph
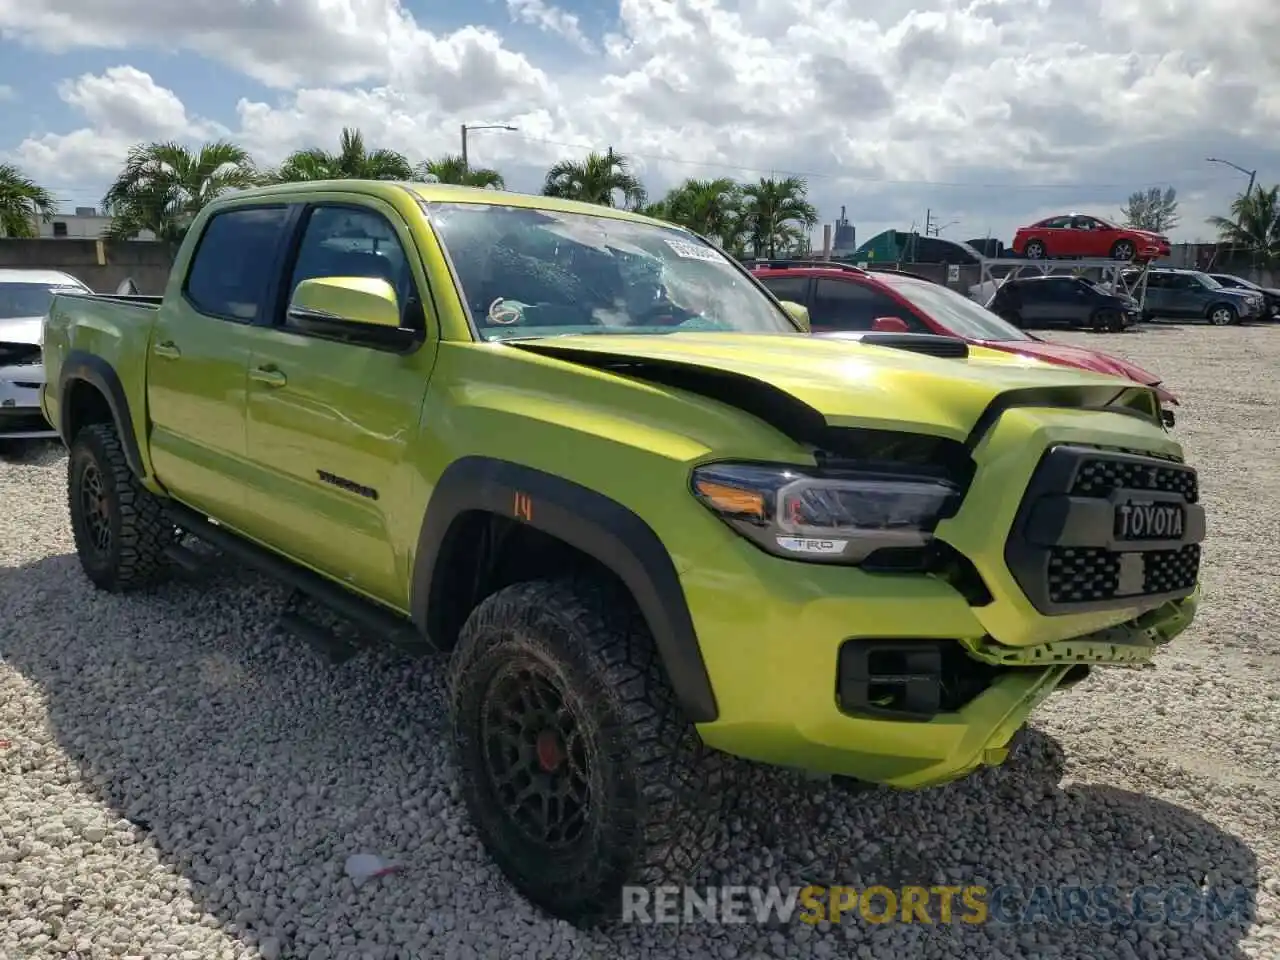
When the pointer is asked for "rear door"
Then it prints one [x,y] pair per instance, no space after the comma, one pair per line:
[1055,233]
[199,356]
[330,420]
[848,305]
[795,289]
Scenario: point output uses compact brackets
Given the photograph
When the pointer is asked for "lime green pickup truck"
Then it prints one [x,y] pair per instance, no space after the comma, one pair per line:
[652,522]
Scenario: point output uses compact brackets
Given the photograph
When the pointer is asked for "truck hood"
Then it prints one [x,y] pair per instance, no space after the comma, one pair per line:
[804,384]
[21,330]
[1084,359]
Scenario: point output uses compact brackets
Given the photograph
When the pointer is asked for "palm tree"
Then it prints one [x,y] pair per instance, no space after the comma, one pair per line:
[453,169]
[597,179]
[777,213]
[1254,225]
[353,161]
[22,203]
[711,208]
[164,185]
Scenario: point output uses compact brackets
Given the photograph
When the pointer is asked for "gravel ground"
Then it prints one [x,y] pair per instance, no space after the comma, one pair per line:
[179,779]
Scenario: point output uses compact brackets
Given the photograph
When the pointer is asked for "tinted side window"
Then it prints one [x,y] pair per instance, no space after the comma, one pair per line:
[844,305]
[350,242]
[235,261]
[795,289]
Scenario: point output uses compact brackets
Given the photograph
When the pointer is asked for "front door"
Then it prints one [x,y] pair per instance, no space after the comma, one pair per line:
[330,421]
[199,355]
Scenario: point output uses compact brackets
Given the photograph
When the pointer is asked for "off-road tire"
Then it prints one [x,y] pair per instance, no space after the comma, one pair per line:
[139,528]
[657,793]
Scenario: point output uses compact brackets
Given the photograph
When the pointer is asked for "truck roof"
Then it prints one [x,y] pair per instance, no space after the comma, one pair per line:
[51,277]
[445,193]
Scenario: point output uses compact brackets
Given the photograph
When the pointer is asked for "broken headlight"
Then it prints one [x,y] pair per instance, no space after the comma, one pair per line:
[819,516]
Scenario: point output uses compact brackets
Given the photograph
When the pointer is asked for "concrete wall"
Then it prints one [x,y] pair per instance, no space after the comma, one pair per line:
[101,265]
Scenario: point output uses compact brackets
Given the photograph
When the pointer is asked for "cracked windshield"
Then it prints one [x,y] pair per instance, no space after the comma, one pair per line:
[537,273]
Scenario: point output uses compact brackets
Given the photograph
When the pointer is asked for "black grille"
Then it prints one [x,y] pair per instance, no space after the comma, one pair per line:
[1166,571]
[19,354]
[1066,549]
[1092,574]
[1098,477]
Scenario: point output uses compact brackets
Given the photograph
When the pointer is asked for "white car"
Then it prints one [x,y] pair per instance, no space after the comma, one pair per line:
[24,300]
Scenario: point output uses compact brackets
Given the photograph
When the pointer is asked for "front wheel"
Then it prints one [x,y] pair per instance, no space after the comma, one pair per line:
[1223,315]
[120,528]
[1035,250]
[1123,250]
[578,769]
[1108,321]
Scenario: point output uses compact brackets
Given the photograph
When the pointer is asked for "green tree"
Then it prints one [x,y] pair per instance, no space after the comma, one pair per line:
[599,178]
[711,208]
[353,161]
[1152,209]
[1254,225]
[453,169]
[22,203]
[777,214]
[164,185]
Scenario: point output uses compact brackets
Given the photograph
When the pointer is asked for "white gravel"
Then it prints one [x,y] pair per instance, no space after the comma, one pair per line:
[178,779]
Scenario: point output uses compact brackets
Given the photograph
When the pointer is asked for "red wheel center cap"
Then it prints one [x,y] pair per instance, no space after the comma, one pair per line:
[548,749]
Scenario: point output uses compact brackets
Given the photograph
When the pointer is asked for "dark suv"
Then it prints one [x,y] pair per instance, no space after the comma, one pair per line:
[1190,294]
[1270,295]
[1074,301]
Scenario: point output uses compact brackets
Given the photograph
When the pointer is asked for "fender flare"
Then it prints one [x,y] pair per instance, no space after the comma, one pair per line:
[98,373]
[584,519]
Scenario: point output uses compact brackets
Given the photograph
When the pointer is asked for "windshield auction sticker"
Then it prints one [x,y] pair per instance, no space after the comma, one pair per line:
[694,251]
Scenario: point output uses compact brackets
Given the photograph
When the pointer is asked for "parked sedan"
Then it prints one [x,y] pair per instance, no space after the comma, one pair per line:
[1073,301]
[1192,295]
[1270,295]
[1079,235]
[24,300]
[842,298]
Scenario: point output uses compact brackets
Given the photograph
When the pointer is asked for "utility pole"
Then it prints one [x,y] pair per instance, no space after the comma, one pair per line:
[1253,174]
[478,126]
[928,223]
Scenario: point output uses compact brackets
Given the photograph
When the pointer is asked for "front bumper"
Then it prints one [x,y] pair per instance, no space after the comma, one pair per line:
[21,416]
[899,679]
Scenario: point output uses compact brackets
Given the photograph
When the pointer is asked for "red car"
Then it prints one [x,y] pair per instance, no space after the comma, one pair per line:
[844,300]
[1078,235]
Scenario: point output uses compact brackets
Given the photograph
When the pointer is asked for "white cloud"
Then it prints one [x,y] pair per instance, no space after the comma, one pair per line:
[7,92]
[123,106]
[552,20]
[987,112]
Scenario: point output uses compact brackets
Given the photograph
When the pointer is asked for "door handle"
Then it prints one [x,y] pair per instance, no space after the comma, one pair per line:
[268,375]
[167,349]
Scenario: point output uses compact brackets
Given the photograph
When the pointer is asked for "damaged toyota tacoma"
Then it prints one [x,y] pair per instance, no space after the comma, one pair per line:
[650,520]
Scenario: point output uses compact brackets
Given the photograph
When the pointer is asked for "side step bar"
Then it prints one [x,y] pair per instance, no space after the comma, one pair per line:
[369,617]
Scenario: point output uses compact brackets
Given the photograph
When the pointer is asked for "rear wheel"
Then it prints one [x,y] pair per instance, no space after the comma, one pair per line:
[1035,250]
[578,769]
[120,528]
[1123,250]
[1223,315]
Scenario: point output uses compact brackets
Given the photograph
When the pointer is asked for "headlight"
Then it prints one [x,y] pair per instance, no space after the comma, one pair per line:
[807,514]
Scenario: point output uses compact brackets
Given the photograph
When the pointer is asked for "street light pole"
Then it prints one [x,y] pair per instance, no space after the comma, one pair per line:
[479,126]
[1252,174]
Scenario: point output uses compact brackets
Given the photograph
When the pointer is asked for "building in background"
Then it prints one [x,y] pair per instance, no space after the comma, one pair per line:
[845,242]
[85,224]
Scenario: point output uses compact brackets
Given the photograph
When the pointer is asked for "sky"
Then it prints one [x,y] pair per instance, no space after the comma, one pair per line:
[978,114]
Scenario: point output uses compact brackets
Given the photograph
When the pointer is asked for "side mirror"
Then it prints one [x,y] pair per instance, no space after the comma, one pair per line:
[890,325]
[366,301]
[800,314]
